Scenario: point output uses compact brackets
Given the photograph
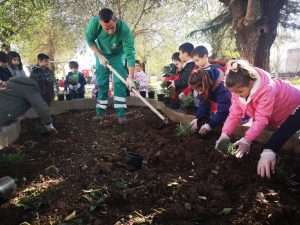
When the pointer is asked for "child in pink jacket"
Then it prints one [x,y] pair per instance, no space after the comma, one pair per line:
[270,103]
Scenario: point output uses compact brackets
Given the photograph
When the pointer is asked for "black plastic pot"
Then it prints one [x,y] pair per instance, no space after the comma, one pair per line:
[161,97]
[167,100]
[134,161]
[151,94]
[61,97]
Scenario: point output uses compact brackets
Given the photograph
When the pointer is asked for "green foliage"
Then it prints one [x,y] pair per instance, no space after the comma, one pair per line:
[50,35]
[187,102]
[10,159]
[225,211]
[230,149]
[183,129]
[17,16]
[227,147]
[295,81]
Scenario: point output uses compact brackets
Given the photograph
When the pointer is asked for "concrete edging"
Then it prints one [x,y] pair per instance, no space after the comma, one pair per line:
[10,134]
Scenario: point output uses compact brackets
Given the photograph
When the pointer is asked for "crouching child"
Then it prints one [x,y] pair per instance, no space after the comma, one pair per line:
[214,101]
[269,103]
[19,95]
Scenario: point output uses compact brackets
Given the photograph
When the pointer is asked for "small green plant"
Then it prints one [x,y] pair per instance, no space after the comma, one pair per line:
[231,149]
[183,129]
[227,147]
[11,159]
[187,102]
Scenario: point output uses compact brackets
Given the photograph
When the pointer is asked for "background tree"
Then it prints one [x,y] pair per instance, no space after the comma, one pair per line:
[16,16]
[254,24]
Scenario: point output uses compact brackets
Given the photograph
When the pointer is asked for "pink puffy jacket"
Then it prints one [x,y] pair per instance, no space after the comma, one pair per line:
[270,103]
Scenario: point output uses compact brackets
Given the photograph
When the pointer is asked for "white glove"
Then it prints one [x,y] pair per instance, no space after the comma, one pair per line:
[2,85]
[266,163]
[223,137]
[181,96]
[243,147]
[194,124]
[51,128]
[172,85]
[102,59]
[71,87]
[130,83]
[205,128]
[78,86]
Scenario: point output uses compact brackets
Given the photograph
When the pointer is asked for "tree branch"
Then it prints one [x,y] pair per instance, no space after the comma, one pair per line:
[140,16]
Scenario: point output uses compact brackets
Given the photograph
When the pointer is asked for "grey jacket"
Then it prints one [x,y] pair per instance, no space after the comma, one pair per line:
[16,72]
[21,94]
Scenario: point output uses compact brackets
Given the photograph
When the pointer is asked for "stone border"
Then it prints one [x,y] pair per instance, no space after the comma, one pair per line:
[11,133]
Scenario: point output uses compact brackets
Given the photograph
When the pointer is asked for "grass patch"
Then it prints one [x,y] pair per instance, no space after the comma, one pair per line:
[11,159]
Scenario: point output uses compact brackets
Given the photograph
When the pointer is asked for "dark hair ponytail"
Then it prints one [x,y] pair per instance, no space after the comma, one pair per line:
[240,73]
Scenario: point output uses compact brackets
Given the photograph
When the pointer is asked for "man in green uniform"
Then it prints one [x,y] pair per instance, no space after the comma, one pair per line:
[112,42]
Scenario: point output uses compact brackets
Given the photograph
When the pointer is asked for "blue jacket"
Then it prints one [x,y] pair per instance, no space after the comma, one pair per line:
[219,96]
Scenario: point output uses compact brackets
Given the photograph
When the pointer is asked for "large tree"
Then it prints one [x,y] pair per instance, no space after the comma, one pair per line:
[254,24]
[17,16]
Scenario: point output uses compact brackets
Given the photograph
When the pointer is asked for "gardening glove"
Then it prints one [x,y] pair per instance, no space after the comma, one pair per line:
[223,138]
[51,129]
[205,129]
[181,96]
[130,83]
[2,85]
[243,147]
[194,124]
[172,84]
[266,163]
[102,59]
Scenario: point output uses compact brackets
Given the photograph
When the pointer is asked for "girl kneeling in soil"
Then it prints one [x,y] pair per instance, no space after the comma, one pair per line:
[268,102]
[214,100]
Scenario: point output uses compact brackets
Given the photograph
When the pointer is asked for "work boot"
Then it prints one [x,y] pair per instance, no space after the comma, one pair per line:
[122,120]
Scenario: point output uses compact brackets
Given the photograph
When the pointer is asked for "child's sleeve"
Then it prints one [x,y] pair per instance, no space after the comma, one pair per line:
[203,109]
[128,45]
[223,105]
[83,80]
[183,80]
[39,105]
[35,75]
[92,30]
[262,116]
[234,118]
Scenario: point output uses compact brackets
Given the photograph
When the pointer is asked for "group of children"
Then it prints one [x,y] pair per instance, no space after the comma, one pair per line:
[228,94]
[19,92]
[225,96]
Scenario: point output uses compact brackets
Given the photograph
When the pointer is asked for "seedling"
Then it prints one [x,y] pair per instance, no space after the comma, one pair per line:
[227,147]
[183,129]
[11,159]
[187,102]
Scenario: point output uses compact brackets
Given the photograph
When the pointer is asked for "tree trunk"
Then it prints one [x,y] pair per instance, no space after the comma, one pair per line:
[51,50]
[256,28]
